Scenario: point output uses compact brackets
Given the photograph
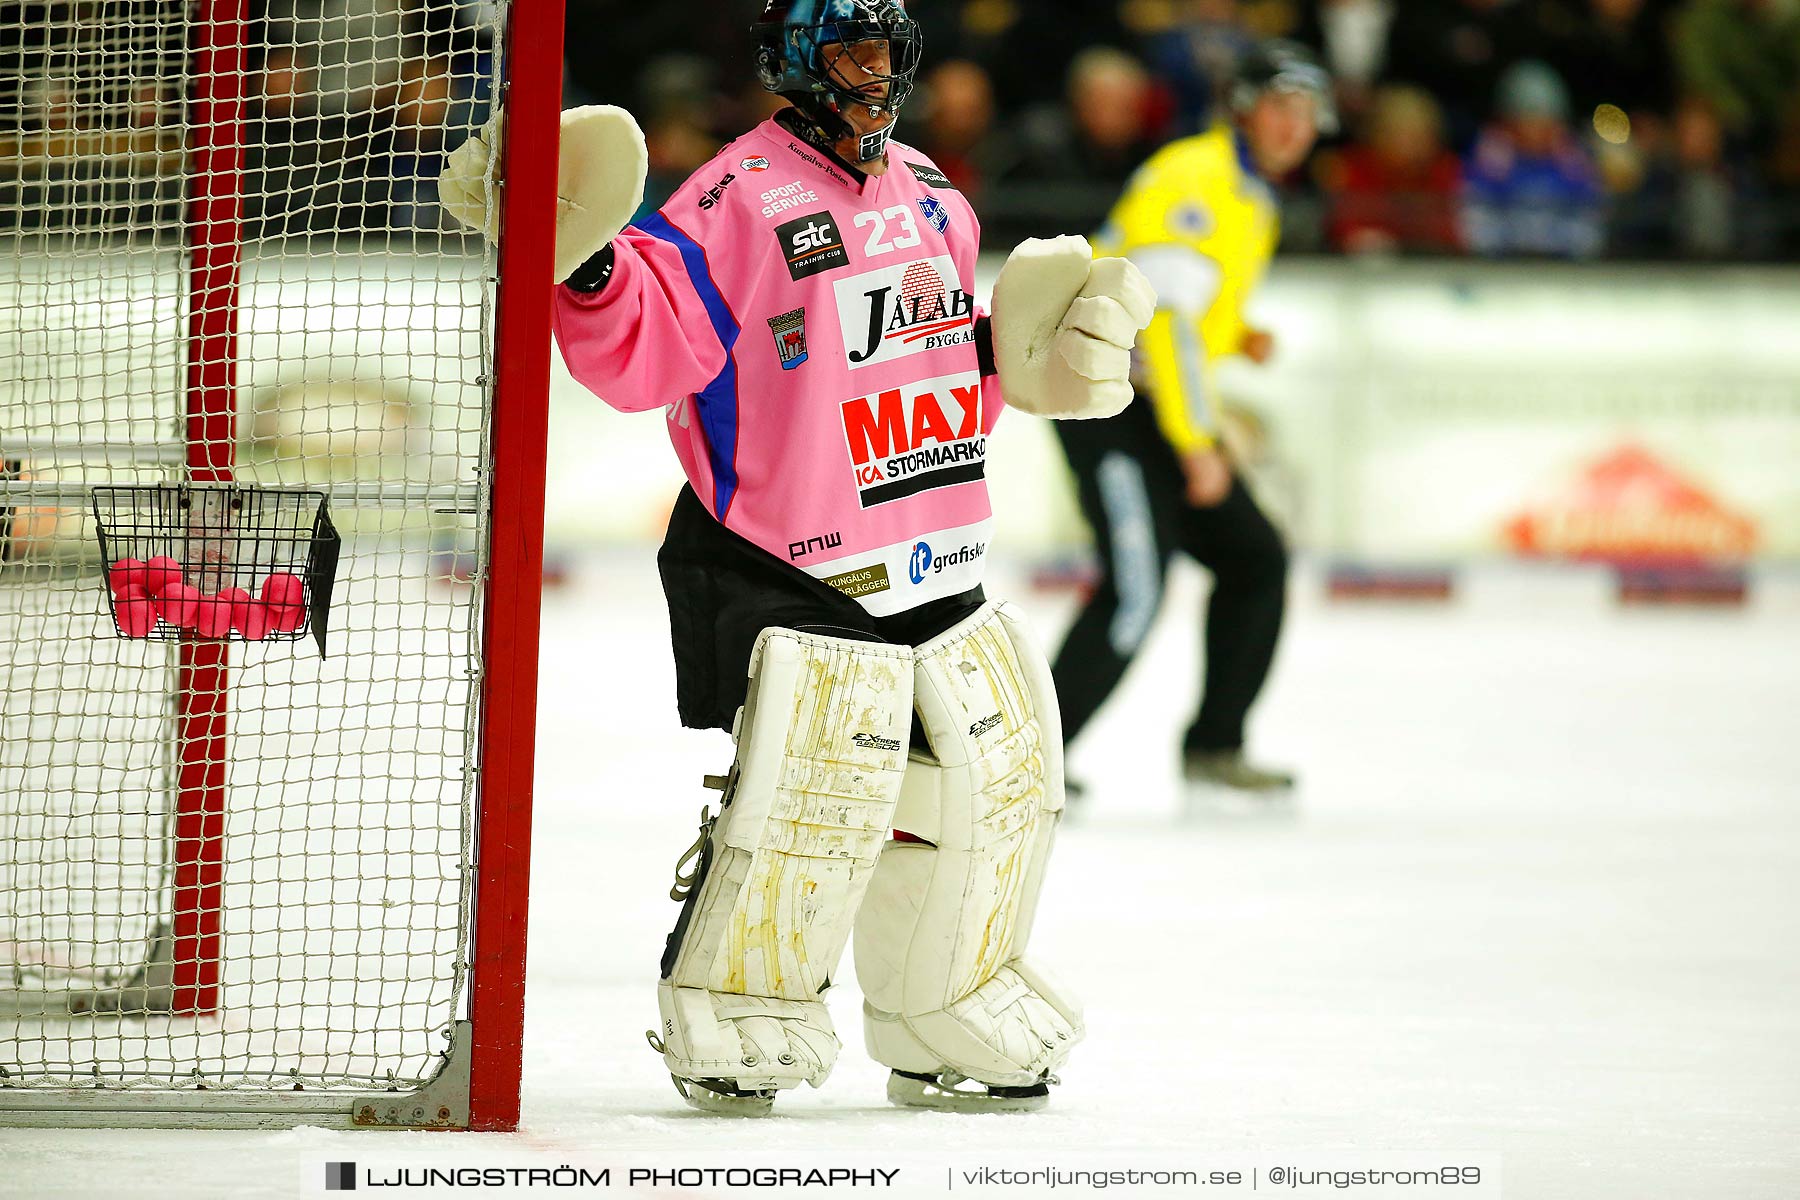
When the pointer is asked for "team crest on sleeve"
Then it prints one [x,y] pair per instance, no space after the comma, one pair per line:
[812,245]
[790,337]
[937,215]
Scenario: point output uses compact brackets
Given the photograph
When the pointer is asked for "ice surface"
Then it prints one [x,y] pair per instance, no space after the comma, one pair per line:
[1542,903]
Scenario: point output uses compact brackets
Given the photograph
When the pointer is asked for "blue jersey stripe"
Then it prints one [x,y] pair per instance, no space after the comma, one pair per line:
[718,400]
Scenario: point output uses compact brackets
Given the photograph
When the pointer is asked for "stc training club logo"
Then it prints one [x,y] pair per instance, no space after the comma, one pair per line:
[920,566]
[906,441]
[904,310]
[812,245]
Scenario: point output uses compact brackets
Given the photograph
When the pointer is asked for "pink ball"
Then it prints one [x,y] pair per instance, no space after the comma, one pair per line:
[283,587]
[159,573]
[178,604]
[237,597]
[212,616]
[252,620]
[128,573]
[285,596]
[135,612]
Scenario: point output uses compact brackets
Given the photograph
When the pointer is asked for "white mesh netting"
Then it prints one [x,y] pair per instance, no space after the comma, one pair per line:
[363,348]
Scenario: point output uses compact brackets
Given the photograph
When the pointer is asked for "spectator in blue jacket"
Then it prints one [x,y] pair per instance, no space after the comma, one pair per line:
[1533,188]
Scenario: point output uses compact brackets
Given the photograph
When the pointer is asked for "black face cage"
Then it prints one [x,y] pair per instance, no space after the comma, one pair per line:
[905,50]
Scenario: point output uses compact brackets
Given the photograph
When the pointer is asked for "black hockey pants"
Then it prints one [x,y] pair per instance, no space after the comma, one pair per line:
[1133,494]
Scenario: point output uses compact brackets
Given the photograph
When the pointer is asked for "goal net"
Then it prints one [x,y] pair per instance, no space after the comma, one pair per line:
[238,864]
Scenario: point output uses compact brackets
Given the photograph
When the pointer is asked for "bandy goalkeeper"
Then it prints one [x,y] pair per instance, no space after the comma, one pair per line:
[802,310]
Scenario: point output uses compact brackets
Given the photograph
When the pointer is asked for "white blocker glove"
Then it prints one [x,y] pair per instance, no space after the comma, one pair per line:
[1064,323]
[599,181]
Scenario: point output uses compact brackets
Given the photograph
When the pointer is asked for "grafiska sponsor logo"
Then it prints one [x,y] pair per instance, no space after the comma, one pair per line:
[903,310]
[962,556]
[909,440]
[872,741]
[864,581]
[817,545]
[791,195]
[982,726]
[709,199]
[920,563]
[925,563]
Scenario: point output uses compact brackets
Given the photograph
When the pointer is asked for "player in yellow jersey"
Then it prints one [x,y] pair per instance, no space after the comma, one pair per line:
[1201,221]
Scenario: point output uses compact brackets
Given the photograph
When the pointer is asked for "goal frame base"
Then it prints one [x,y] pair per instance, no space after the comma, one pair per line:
[443,1103]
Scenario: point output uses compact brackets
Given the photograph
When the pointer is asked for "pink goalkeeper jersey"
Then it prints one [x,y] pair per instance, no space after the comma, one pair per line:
[812,338]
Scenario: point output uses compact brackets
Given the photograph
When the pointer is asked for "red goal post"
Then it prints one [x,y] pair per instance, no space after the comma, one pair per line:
[516,561]
[239,886]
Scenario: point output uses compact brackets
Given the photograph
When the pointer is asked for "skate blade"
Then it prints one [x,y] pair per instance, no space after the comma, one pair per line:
[909,1092]
[724,1104]
[1214,802]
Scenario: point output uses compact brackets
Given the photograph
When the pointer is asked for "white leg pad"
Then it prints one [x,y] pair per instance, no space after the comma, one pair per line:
[822,745]
[940,939]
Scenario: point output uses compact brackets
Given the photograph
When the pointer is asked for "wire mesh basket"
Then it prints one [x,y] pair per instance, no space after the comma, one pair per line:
[216,562]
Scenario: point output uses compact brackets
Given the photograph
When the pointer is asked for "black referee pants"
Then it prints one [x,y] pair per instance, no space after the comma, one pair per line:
[1134,495]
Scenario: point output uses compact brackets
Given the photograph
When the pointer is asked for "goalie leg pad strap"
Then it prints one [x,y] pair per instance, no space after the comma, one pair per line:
[822,744]
[753,1043]
[941,936]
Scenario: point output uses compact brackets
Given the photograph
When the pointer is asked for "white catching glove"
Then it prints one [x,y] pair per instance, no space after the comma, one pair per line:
[599,185]
[1064,323]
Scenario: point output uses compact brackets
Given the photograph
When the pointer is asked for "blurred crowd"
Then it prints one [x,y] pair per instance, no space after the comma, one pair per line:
[1558,128]
[348,107]
[1551,128]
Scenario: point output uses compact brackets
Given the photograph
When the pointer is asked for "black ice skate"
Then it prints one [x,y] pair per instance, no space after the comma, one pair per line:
[947,1091]
[1220,783]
